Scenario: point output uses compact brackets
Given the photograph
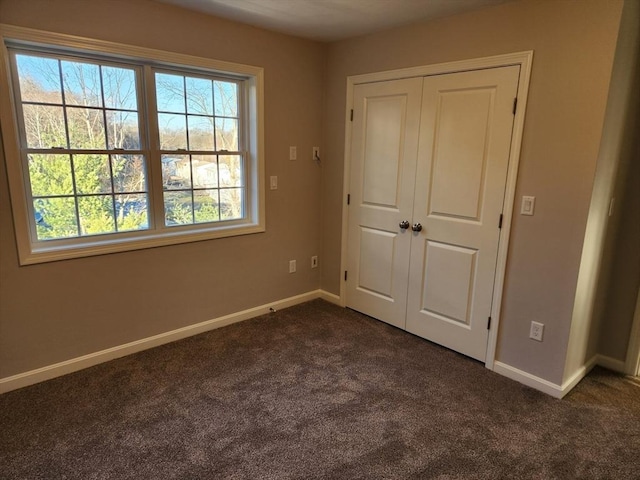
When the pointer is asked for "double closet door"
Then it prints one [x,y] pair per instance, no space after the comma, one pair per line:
[429,160]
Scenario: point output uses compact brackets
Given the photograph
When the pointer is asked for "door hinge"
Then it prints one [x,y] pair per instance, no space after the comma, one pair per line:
[345,275]
[515,105]
[489,324]
[348,199]
[352,114]
[500,222]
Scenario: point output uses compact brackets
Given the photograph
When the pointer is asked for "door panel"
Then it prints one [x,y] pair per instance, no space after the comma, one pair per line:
[384,149]
[449,271]
[459,152]
[465,138]
[377,251]
[383,144]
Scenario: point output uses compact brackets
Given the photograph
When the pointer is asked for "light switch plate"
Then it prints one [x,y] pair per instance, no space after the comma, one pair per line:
[528,205]
[273,182]
[293,153]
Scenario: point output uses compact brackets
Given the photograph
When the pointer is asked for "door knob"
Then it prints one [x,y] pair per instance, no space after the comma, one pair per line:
[404,224]
[416,227]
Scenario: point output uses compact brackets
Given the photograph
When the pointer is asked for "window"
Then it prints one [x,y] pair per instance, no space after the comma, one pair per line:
[202,167]
[128,149]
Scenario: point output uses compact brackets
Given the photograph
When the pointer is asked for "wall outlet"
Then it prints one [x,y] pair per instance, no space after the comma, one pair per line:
[293,153]
[292,266]
[537,329]
[314,261]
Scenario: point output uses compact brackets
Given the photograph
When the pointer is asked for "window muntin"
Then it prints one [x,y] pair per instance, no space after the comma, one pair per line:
[203,172]
[81,145]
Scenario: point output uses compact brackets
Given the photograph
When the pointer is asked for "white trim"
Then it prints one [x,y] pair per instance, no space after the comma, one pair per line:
[524,60]
[517,58]
[611,363]
[330,297]
[632,364]
[545,386]
[31,252]
[528,379]
[582,372]
[345,191]
[68,366]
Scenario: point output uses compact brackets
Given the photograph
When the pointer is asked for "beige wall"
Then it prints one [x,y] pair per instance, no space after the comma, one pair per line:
[620,287]
[574,44]
[57,311]
[610,267]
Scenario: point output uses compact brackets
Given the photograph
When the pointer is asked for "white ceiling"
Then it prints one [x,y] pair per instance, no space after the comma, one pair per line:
[329,20]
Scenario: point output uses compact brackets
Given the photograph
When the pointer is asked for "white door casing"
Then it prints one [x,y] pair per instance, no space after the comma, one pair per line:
[383,155]
[522,59]
[465,139]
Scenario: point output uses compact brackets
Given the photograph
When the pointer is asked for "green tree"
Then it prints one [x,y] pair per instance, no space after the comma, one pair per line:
[89,193]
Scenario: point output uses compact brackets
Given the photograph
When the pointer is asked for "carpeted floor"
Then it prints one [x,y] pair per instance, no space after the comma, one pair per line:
[314,391]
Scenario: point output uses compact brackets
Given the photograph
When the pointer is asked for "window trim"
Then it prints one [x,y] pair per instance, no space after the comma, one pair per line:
[30,252]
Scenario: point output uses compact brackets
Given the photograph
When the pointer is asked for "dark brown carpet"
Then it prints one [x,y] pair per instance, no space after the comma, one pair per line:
[314,391]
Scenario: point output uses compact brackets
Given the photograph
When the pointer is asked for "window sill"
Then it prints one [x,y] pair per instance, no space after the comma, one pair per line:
[102,246]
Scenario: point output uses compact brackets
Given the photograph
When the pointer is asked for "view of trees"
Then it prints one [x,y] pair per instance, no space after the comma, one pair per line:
[70,105]
[199,114]
[87,172]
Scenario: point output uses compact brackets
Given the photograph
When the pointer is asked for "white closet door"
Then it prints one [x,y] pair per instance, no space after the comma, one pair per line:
[465,139]
[384,148]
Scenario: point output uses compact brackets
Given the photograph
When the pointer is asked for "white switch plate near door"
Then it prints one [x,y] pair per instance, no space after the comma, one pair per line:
[528,204]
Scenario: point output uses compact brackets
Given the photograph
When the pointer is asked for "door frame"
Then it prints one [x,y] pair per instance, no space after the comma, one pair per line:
[524,60]
[632,363]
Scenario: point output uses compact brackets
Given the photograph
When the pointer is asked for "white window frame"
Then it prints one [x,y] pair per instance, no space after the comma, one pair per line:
[30,250]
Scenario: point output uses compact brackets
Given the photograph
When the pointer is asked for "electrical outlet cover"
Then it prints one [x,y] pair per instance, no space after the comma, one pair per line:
[536,331]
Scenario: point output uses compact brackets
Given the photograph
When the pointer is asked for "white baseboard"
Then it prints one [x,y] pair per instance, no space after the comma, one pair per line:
[68,366]
[559,391]
[582,372]
[529,380]
[331,297]
[611,363]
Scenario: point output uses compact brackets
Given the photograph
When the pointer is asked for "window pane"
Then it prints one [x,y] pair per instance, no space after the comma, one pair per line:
[81,84]
[119,85]
[123,130]
[93,174]
[131,212]
[39,79]
[173,131]
[231,171]
[44,126]
[201,133]
[199,96]
[55,218]
[96,215]
[227,134]
[170,93]
[50,175]
[226,99]
[206,206]
[230,203]
[129,173]
[86,128]
[205,171]
[178,208]
[176,172]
